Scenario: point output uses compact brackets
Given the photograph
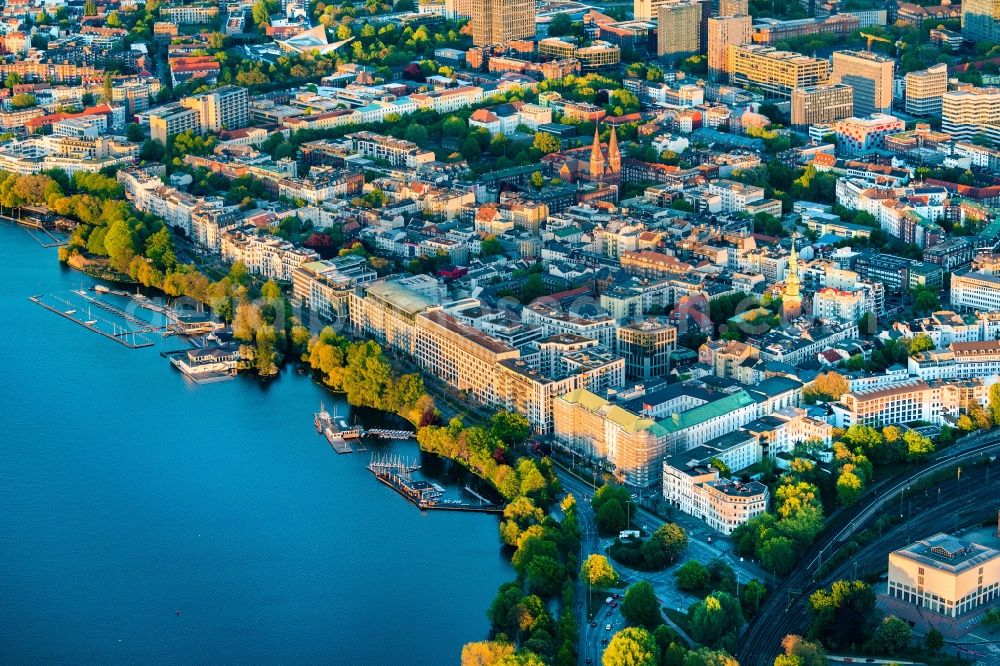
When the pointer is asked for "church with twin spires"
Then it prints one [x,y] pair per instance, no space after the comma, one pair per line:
[599,163]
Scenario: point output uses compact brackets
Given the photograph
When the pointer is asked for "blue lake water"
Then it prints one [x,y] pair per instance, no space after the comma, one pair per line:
[129,495]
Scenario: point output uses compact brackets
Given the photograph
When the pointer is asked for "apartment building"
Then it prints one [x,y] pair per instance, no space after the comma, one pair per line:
[193,14]
[267,256]
[678,32]
[397,152]
[724,31]
[925,90]
[386,311]
[871,77]
[693,486]
[921,399]
[449,99]
[225,108]
[171,119]
[825,103]
[969,111]
[587,321]
[324,287]
[945,327]
[463,357]
[776,72]
[945,575]
[977,288]
[594,427]
[735,196]
[845,305]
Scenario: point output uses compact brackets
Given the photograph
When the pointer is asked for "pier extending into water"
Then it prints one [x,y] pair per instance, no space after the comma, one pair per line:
[121,337]
[397,473]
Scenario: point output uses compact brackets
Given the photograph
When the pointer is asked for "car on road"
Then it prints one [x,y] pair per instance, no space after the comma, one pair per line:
[610,613]
[608,600]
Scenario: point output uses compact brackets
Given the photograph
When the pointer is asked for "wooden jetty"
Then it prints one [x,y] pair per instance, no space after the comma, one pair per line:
[121,338]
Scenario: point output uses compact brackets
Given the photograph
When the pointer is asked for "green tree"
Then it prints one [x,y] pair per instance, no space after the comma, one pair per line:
[668,542]
[23,101]
[641,607]
[546,143]
[849,488]
[716,620]
[778,555]
[692,576]
[597,571]
[892,636]
[545,576]
[841,614]
[489,246]
[934,641]
[752,595]
[632,646]
[611,517]
[919,343]
[537,180]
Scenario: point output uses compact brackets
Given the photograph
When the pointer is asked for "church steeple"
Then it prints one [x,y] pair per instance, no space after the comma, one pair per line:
[791,301]
[614,155]
[596,157]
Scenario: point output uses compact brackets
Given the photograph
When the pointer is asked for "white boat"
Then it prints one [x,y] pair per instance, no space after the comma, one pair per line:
[101,289]
[70,312]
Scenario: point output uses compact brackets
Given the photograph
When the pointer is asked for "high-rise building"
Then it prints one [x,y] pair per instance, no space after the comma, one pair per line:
[924,90]
[825,103]
[969,111]
[870,74]
[500,21]
[791,300]
[776,72]
[981,20]
[723,31]
[678,31]
[728,7]
[646,10]
[225,108]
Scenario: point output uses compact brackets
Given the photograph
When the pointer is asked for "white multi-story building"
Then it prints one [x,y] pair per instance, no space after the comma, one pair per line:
[909,401]
[977,288]
[463,357]
[970,111]
[325,286]
[693,486]
[595,324]
[268,256]
[397,152]
[961,360]
[735,196]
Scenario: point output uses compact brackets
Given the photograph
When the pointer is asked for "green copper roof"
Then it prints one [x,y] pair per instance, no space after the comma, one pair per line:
[692,417]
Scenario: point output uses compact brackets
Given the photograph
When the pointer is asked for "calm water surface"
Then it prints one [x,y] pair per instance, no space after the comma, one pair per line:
[128,494]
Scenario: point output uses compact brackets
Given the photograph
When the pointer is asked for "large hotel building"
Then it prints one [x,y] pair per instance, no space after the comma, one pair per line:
[871,76]
[500,21]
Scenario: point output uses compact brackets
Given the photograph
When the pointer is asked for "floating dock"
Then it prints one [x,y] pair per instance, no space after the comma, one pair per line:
[121,338]
[397,473]
[389,434]
[327,426]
